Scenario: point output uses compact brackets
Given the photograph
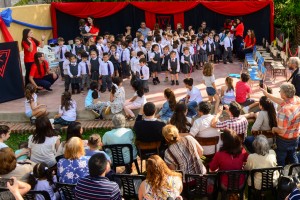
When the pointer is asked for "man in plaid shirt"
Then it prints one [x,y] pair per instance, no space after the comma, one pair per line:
[288,123]
[236,122]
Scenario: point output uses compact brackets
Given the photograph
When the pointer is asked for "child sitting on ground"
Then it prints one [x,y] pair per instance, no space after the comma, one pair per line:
[193,97]
[32,108]
[92,103]
[67,110]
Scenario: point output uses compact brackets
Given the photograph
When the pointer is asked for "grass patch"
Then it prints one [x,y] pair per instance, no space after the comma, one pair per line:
[16,138]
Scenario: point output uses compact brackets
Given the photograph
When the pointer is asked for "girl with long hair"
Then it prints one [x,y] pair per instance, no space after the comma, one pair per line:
[265,120]
[137,101]
[161,182]
[30,44]
[227,92]
[117,95]
[168,108]
[67,110]
[180,120]
[40,75]
[44,142]
[32,108]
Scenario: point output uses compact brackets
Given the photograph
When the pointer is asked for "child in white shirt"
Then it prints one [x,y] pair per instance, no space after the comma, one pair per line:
[144,74]
[85,66]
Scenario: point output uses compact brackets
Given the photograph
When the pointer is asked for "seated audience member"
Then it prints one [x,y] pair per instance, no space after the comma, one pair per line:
[265,120]
[40,75]
[161,182]
[136,102]
[74,130]
[148,129]
[120,135]
[288,121]
[183,153]
[9,166]
[201,127]
[264,157]
[168,108]
[231,155]
[44,143]
[193,97]
[74,165]
[243,91]
[96,185]
[4,135]
[16,191]
[227,92]
[236,122]
[42,180]
[94,145]
[180,120]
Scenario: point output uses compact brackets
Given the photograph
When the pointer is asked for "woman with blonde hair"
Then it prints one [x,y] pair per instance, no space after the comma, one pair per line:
[74,165]
[183,153]
[161,182]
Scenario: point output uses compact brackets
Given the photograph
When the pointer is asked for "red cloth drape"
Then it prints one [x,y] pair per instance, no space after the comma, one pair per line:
[6,35]
[177,9]
[99,10]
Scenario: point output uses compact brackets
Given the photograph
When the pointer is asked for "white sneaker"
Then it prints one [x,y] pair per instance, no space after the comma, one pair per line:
[51,121]
[246,109]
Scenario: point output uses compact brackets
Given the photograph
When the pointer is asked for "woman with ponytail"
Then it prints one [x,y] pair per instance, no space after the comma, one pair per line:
[183,153]
[40,75]
[30,44]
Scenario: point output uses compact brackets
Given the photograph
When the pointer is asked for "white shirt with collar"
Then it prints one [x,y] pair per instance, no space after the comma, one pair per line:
[142,49]
[145,71]
[73,50]
[125,55]
[115,54]
[134,64]
[191,49]
[57,50]
[82,65]
[182,59]
[195,94]
[103,69]
[66,63]
[100,50]
[201,128]
[227,42]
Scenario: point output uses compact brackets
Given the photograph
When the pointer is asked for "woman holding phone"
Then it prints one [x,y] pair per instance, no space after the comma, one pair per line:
[30,44]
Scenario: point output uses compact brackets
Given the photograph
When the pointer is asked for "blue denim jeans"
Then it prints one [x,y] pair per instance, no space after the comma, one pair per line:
[248,143]
[192,108]
[286,149]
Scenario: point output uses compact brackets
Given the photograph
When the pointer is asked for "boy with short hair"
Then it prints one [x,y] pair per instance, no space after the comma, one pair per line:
[106,71]
[124,60]
[144,74]
[66,63]
[228,47]
[85,66]
[60,51]
[193,97]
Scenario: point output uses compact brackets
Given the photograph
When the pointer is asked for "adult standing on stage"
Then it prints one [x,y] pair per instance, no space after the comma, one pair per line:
[94,31]
[239,32]
[144,29]
[40,75]
[30,44]
[249,43]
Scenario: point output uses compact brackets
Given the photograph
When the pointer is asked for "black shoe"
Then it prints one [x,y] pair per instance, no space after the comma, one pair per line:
[157,80]
[78,91]
[109,90]
[102,91]
[173,82]
[73,91]
[49,89]
[177,83]
[230,61]
[225,63]
[99,118]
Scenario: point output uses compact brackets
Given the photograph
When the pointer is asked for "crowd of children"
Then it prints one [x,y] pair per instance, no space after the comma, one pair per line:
[101,63]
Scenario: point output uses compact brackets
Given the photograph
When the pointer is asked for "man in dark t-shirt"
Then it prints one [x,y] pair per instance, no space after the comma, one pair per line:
[148,129]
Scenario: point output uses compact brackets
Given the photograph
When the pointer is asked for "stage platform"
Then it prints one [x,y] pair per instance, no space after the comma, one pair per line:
[13,111]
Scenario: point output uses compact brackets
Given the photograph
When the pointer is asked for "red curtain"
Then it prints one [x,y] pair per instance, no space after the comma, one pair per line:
[6,35]
[99,10]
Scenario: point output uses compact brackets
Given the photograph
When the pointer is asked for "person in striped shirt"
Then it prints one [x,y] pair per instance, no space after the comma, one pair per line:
[96,185]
